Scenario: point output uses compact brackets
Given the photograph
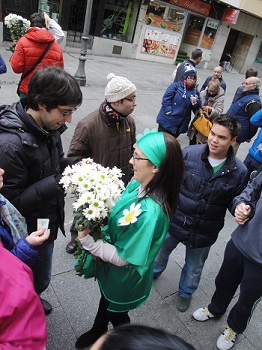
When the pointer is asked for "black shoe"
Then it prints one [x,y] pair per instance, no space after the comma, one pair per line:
[46,306]
[90,337]
[71,247]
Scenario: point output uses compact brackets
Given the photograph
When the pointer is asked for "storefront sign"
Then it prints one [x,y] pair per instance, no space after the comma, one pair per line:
[160,43]
[230,16]
[193,5]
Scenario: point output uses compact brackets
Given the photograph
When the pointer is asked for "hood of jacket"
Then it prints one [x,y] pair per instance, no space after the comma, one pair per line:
[39,35]
[15,120]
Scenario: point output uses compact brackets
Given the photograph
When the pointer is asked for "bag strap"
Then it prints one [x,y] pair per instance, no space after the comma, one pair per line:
[37,62]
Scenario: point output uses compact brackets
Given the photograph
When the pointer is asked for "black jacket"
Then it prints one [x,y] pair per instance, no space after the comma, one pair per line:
[33,161]
[205,196]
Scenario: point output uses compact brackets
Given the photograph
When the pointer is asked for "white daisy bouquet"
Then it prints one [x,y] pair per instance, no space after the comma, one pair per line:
[17,25]
[96,189]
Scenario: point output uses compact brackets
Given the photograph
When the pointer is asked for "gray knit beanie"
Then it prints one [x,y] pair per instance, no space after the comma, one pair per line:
[118,88]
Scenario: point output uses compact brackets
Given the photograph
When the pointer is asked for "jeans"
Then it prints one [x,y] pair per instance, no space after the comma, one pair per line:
[191,272]
[42,268]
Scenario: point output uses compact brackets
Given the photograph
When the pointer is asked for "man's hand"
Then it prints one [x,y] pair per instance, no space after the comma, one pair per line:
[38,237]
[242,213]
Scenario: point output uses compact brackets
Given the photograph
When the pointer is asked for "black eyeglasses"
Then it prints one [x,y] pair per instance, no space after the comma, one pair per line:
[138,158]
[132,99]
[66,113]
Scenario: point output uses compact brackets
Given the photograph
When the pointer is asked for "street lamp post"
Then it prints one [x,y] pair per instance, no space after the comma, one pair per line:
[80,74]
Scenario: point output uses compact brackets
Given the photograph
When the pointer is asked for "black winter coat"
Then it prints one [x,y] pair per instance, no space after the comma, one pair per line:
[33,161]
[205,196]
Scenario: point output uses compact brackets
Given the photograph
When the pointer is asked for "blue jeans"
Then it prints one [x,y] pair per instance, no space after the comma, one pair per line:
[251,163]
[192,269]
[42,268]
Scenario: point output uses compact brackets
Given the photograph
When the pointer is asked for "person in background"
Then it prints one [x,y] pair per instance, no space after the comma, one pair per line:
[30,47]
[114,127]
[253,159]
[179,100]
[225,61]
[196,57]
[244,108]
[217,74]
[212,100]
[2,66]
[23,324]
[213,176]
[241,268]
[134,235]
[55,28]
[135,337]
[34,158]
[251,72]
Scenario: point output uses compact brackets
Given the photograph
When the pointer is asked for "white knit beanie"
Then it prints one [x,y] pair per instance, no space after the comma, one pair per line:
[118,88]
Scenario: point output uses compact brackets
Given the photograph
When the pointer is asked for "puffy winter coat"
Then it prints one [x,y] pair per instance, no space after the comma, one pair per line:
[33,162]
[28,50]
[175,113]
[239,110]
[253,151]
[108,143]
[205,196]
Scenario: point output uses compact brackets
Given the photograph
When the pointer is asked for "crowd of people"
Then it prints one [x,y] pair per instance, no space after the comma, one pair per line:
[172,196]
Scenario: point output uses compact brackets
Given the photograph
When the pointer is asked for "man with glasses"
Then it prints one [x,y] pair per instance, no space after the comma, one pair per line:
[217,74]
[33,158]
[108,134]
[244,107]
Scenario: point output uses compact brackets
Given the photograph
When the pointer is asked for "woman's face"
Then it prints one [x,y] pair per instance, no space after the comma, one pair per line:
[1,178]
[144,170]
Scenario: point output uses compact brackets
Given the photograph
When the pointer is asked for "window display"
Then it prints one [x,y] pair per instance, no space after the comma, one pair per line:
[165,17]
[209,34]
[194,30]
[119,19]
[51,7]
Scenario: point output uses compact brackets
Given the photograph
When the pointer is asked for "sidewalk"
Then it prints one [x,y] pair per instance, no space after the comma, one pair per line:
[74,299]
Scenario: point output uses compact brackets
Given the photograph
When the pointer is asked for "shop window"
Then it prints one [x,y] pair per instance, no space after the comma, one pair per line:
[209,34]
[259,55]
[51,7]
[165,17]
[119,19]
[194,30]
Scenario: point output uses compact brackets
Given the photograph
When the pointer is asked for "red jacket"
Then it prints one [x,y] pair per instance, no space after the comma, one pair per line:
[22,318]
[28,50]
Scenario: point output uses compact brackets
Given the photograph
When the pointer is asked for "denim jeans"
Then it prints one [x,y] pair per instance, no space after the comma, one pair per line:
[191,272]
[42,268]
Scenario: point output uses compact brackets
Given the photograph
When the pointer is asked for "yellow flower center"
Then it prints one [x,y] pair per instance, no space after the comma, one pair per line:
[129,216]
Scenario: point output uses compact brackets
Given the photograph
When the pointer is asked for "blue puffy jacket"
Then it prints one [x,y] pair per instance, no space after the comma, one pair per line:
[239,110]
[175,113]
[204,196]
[253,151]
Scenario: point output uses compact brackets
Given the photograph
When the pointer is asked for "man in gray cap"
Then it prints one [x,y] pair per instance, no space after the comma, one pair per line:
[108,134]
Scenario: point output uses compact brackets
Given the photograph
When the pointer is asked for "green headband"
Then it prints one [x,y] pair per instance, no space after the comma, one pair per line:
[154,147]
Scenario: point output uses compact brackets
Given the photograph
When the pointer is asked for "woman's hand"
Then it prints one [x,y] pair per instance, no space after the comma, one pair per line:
[38,237]
[82,234]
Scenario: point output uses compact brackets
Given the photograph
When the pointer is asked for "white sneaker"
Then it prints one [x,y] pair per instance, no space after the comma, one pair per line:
[202,314]
[227,339]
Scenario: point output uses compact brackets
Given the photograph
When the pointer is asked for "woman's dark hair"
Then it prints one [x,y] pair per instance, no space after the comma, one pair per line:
[138,337]
[53,86]
[37,20]
[165,185]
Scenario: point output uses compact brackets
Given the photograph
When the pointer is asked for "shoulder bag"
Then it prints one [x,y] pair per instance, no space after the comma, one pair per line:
[34,66]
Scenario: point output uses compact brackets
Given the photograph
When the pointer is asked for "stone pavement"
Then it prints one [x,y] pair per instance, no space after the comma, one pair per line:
[74,299]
